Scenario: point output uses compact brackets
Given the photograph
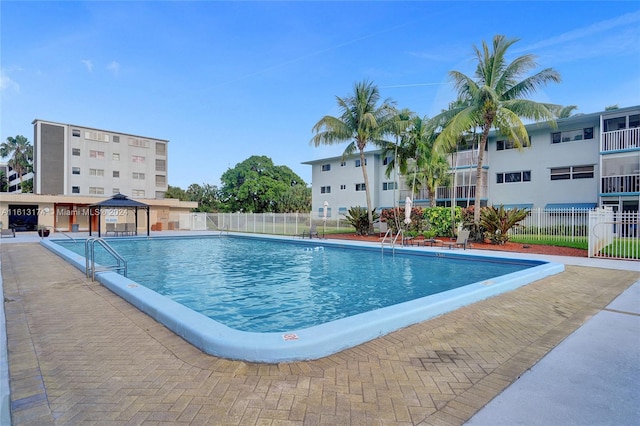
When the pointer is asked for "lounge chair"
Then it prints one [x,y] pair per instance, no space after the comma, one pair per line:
[312,232]
[11,233]
[461,241]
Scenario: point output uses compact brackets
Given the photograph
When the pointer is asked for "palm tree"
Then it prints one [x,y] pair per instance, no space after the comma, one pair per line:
[3,181]
[20,151]
[495,99]
[564,112]
[361,122]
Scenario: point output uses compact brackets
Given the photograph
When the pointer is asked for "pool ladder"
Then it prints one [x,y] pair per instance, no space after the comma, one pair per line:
[90,259]
[392,240]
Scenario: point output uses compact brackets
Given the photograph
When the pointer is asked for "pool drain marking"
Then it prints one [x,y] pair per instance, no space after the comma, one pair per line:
[289,337]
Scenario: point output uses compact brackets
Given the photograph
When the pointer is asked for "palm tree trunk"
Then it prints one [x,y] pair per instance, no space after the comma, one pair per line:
[366,190]
[479,174]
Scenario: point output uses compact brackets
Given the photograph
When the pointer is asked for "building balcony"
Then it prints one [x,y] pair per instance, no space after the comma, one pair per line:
[621,184]
[620,140]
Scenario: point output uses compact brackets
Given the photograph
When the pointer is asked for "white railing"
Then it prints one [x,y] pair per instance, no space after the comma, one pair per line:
[620,139]
[621,184]
[614,235]
[264,223]
[554,224]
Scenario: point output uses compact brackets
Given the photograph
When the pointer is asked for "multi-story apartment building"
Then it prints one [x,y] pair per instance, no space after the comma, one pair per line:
[77,160]
[76,167]
[585,161]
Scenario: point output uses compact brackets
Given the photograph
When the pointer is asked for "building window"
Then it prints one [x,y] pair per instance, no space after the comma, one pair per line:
[137,159]
[572,172]
[389,186]
[96,154]
[96,172]
[76,133]
[343,187]
[136,175]
[137,192]
[509,144]
[96,136]
[75,170]
[359,163]
[325,189]
[116,173]
[160,195]
[513,177]
[116,139]
[161,180]
[115,156]
[387,160]
[161,148]
[75,189]
[326,167]
[140,143]
[572,135]
[75,151]
[161,165]
[361,187]
[96,190]
[115,191]
[343,163]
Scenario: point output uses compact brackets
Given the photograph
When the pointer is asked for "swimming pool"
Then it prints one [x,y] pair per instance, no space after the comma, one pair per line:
[256,313]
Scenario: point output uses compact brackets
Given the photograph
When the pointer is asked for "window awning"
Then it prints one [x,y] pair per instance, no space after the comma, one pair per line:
[562,206]
[515,206]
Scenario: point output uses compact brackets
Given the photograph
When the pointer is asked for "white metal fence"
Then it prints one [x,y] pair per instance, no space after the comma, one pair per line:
[608,234]
[263,223]
[558,224]
[614,234]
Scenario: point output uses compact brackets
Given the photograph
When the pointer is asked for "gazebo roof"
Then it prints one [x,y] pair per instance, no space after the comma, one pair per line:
[120,200]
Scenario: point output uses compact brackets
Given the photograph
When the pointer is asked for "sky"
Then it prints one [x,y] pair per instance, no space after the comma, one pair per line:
[223,80]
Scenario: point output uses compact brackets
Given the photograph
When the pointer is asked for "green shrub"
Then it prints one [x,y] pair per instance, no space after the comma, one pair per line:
[439,220]
[417,224]
[498,221]
[358,218]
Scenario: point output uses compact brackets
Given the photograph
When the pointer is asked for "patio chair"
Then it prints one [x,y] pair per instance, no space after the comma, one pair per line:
[120,229]
[461,241]
[312,232]
[111,227]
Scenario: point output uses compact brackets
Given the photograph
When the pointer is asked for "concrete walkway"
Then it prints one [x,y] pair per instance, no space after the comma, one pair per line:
[79,354]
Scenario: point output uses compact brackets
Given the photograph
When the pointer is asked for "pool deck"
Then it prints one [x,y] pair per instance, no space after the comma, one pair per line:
[564,349]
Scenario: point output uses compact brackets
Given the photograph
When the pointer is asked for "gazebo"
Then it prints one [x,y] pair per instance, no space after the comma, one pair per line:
[118,201]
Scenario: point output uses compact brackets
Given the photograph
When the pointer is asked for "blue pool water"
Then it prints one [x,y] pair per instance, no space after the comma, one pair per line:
[262,285]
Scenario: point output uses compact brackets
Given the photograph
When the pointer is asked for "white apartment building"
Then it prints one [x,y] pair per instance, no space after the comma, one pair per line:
[588,160]
[75,160]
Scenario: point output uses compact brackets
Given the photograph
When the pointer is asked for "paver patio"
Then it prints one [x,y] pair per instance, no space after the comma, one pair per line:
[80,354]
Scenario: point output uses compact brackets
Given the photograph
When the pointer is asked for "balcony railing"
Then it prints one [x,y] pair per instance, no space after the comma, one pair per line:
[462,192]
[621,184]
[620,139]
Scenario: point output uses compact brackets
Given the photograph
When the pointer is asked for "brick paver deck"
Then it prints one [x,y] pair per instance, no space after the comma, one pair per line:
[80,354]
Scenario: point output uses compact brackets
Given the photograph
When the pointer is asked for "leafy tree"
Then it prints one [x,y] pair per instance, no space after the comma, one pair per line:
[611,107]
[361,122]
[20,153]
[257,185]
[177,193]
[296,198]
[206,195]
[26,187]
[495,99]
[498,221]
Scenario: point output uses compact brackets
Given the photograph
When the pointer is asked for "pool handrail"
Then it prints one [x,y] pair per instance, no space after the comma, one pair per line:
[90,261]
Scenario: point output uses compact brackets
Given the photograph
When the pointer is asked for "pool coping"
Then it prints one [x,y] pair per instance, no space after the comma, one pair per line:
[318,341]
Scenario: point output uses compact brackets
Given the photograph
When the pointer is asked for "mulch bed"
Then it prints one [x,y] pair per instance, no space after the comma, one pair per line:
[508,246]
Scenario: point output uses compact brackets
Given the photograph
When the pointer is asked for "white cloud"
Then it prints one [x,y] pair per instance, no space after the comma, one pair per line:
[114,67]
[588,31]
[6,83]
[88,64]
